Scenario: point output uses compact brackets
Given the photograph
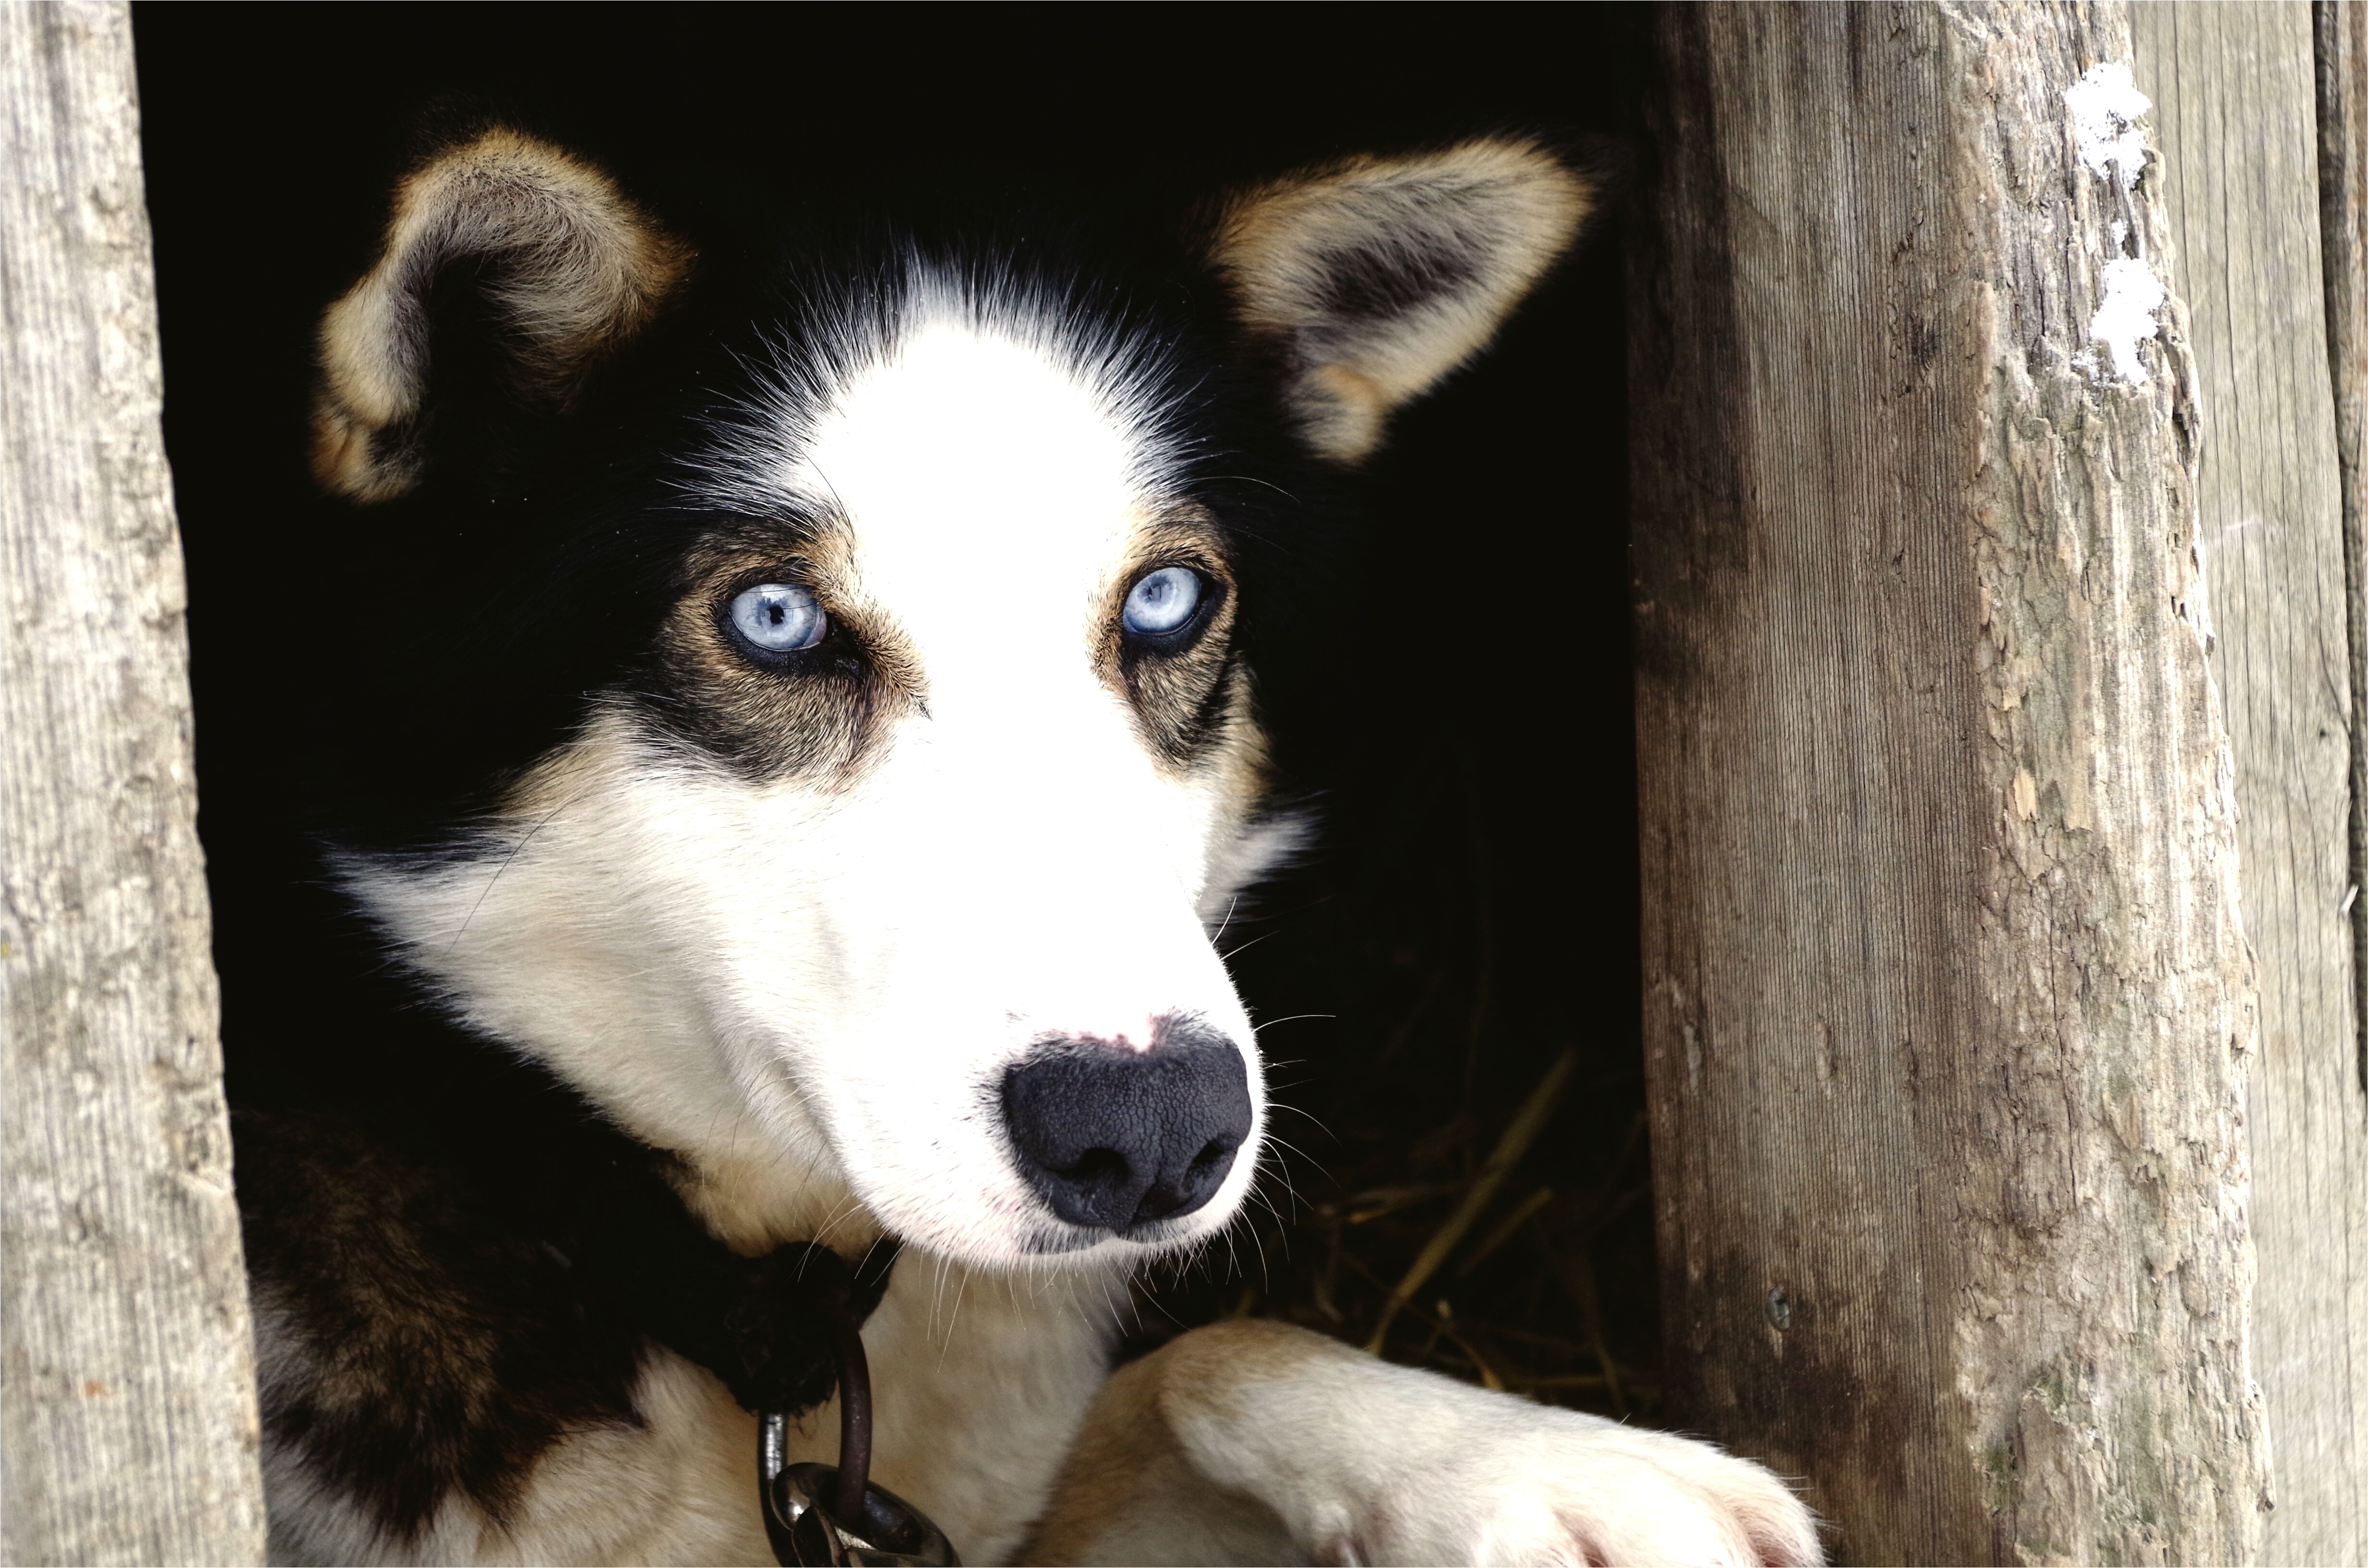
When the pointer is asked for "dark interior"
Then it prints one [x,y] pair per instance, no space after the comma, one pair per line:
[1474,911]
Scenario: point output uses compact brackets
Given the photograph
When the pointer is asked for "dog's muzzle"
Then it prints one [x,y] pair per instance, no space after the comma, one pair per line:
[1115,1138]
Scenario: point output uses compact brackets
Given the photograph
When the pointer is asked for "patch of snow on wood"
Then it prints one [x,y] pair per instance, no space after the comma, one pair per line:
[2106,104]
[2133,294]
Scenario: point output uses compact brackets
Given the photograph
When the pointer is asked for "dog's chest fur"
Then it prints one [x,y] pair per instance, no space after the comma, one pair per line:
[985,1380]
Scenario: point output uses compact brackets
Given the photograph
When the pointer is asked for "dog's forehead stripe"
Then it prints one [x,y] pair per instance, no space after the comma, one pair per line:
[937,387]
[990,492]
[963,451]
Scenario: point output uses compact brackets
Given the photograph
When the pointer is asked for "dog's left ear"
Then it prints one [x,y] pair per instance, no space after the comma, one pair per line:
[1378,277]
[544,262]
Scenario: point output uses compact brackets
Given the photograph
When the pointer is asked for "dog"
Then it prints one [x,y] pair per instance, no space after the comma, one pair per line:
[782,723]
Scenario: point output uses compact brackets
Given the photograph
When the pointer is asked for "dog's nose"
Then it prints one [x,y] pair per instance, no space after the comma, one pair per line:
[1114,1137]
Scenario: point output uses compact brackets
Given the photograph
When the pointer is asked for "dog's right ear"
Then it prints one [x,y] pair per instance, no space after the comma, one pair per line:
[1376,278]
[557,270]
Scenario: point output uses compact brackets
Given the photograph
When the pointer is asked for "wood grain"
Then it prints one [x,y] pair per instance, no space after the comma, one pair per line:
[2341,36]
[1948,1010]
[128,1427]
[2234,119]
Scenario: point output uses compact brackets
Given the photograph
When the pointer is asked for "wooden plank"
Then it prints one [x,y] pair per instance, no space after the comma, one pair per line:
[128,1428]
[1947,1007]
[2234,119]
[2341,29]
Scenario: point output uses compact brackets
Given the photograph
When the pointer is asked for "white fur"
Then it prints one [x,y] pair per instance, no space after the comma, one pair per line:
[1368,1462]
[1257,1441]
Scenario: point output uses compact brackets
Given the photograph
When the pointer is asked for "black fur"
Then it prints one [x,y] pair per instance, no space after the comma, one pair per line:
[1383,282]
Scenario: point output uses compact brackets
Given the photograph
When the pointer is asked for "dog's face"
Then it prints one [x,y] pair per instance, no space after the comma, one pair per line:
[887,855]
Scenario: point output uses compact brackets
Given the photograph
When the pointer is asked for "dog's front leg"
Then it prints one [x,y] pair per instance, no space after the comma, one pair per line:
[1254,1441]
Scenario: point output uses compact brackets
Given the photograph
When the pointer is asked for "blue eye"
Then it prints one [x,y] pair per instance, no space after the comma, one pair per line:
[778,617]
[1162,601]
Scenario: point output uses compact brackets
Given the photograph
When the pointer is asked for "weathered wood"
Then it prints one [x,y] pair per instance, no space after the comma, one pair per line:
[128,1425]
[2341,29]
[1948,1008]
[2234,119]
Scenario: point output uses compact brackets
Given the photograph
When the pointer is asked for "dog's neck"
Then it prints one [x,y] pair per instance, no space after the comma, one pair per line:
[756,1201]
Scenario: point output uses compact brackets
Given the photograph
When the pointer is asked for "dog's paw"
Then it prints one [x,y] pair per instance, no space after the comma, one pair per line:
[1362,1461]
[1520,1483]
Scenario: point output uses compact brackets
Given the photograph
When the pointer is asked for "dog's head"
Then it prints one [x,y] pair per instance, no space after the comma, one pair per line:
[853,646]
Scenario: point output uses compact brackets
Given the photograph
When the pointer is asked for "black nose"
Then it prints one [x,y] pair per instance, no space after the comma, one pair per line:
[1115,1137]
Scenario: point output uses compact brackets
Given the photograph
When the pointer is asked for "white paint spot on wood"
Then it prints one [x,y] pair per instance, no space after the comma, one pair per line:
[2126,317]
[2105,103]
